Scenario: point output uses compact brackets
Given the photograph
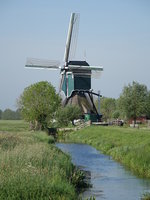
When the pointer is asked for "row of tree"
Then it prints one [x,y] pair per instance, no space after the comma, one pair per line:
[9,114]
[133,102]
[39,104]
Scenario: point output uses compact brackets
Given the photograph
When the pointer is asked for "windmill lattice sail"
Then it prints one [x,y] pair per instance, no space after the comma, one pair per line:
[72,37]
[41,63]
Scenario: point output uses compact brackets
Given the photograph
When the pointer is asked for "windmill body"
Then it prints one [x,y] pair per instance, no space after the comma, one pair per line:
[75,86]
[76,78]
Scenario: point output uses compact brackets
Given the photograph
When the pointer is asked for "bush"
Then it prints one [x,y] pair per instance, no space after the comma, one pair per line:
[67,114]
[146,196]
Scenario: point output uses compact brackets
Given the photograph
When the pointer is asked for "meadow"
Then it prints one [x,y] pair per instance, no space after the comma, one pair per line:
[31,167]
[129,146]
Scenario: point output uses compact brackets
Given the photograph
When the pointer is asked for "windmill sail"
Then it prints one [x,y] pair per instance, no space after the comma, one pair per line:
[41,63]
[72,37]
[96,74]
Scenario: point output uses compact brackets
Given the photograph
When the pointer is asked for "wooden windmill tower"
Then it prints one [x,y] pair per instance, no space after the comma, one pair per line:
[75,86]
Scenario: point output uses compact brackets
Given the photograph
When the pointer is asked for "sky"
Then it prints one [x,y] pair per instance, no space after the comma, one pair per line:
[112,33]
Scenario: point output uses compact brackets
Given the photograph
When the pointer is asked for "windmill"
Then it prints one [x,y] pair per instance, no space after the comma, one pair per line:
[75,85]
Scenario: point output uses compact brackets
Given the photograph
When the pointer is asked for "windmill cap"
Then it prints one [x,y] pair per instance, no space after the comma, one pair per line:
[79,63]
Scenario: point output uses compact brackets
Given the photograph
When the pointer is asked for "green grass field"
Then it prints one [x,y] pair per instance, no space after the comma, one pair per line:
[31,167]
[129,146]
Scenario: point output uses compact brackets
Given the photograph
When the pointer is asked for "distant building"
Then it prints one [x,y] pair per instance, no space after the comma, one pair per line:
[139,120]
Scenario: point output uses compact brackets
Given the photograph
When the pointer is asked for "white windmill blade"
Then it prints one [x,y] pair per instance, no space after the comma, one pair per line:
[42,63]
[72,37]
[96,71]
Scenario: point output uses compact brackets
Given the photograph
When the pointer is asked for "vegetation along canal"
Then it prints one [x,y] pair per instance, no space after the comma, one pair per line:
[109,179]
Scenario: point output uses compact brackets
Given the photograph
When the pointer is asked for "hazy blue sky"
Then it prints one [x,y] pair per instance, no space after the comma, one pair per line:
[114,33]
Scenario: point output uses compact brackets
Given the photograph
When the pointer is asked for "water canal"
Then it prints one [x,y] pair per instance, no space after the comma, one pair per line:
[109,179]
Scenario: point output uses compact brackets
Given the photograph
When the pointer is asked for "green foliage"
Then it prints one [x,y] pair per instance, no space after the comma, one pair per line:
[133,100]
[108,107]
[41,137]
[78,179]
[38,104]
[146,196]
[1,114]
[67,114]
[148,105]
[9,114]
[129,146]
[116,114]
[91,198]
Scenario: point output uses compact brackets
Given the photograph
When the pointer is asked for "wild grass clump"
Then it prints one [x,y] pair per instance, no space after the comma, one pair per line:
[9,142]
[35,171]
[146,196]
[33,168]
[40,137]
[129,146]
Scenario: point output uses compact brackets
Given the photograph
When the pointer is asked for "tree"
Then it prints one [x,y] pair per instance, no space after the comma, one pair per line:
[8,114]
[1,114]
[132,101]
[38,104]
[108,107]
[18,114]
[148,105]
[68,114]
[116,114]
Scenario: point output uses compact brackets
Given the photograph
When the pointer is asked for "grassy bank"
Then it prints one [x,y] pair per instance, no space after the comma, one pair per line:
[31,167]
[130,147]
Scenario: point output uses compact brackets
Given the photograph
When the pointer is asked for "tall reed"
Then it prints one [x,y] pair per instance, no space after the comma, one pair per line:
[31,167]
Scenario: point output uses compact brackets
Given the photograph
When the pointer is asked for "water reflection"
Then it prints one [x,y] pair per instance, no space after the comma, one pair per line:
[109,179]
